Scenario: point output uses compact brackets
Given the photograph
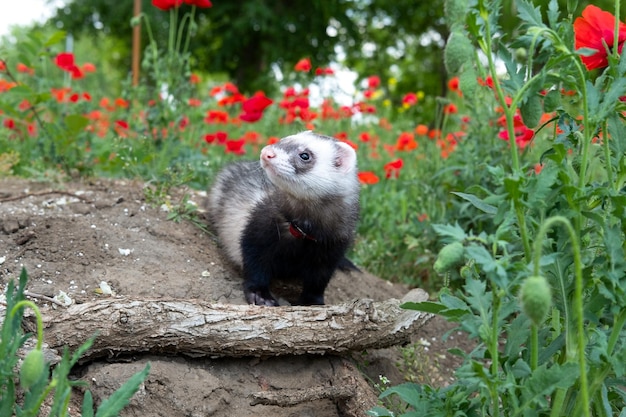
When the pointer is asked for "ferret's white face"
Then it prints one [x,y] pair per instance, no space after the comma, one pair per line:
[311,166]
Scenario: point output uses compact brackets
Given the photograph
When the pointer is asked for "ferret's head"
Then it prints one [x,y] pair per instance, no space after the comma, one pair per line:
[310,166]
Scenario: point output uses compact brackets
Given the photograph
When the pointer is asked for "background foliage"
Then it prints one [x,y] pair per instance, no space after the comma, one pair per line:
[246,41]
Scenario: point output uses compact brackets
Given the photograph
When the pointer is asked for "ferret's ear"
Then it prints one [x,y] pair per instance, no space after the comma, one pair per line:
[346,157]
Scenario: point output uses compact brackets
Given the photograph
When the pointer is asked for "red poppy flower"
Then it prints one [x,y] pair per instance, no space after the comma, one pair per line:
[218,136]
[166,4]
[200,3]
[409,99]
[9,123]
[257,103]
[373,81]
[25,69]
[254,106]
[304,65]
[453,84]
[24,105]
[368,177]
[393,168]
[523,135]
[65,61]
[593,30]
[235,146]
[406,142]
[324,71]
[121,103]
[194,102]
[76,73]
[450,109]
[216,116]
[421,130]
[88,67]
[32,129]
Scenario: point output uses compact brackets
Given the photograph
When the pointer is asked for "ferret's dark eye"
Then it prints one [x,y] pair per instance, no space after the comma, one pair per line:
[304,156]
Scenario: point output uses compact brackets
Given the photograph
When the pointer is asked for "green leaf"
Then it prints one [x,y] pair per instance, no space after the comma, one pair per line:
[542,185]
[21,92]
[87,408]
[75,123]
[8,399]
[477,202]
[425,306]
[512,184]
[551,101]
[55,38]
[613,241]
[611,98]
[593,97]
[120,398]
[408,392]
[617,132]
[544,381]
[379,412]
[454,232]
[553,13]
[531,111]
[530,14]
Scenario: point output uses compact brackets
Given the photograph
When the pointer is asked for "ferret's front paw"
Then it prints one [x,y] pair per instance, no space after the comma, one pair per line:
[310,300]
[260,298]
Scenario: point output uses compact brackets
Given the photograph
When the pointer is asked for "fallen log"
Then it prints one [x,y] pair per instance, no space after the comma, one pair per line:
[199,328]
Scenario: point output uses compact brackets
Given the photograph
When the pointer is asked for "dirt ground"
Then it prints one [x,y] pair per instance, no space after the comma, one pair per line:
[71,237]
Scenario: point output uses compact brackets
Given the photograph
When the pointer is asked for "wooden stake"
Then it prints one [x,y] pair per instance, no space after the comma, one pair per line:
[136,43]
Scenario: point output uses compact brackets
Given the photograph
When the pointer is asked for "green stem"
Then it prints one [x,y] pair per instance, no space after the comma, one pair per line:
[587,131]
[557,402]
[191,22]
[172,34]
[180,31]
[33,306]
[618,325]
[534,347]
[43,397]
[493,348]
[153,47]
[616,30]
[509,114]
[607,154]
[571,353]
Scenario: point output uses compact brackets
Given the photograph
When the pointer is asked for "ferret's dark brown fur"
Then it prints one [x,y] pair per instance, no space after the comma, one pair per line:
[293,216]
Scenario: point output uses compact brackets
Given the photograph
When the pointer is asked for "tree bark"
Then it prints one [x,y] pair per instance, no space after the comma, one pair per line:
[199,328]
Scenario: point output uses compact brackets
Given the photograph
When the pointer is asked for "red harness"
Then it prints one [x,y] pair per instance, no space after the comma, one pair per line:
[299,233]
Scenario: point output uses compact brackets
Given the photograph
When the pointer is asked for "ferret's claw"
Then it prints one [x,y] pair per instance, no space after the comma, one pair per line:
[261,298]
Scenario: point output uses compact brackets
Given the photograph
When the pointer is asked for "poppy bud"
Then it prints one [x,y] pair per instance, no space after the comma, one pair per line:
[449,256]
[458,51]
[455,12]
[32,368]
[536,298]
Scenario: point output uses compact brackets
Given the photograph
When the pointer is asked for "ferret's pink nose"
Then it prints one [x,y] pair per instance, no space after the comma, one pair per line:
[268,153]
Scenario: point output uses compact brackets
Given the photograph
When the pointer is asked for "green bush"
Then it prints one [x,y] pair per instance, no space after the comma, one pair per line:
[541,289]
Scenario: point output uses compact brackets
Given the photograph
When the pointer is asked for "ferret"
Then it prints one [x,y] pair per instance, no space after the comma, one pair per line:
[293,216]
